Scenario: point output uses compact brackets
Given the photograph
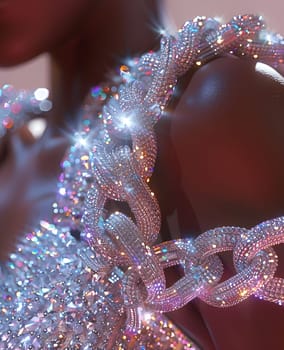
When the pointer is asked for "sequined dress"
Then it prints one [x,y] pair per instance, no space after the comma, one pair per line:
[67,285]
[51,295]
[42,309]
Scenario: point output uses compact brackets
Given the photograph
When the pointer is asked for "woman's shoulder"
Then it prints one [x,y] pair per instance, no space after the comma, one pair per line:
[229,83]
[227,134]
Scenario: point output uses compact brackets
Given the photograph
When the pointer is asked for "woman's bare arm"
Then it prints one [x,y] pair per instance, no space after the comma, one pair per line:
[227,131]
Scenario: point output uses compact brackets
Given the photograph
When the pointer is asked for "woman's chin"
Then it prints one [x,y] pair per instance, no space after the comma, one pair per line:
[16,54]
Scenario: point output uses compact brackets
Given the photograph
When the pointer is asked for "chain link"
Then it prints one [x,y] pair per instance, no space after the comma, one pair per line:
[122,174]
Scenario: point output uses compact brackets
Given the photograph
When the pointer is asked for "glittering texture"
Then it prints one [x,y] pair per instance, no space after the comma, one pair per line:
[77,175]
[17,107]
[42,309]
[148,85]
[107,290]
[53,311]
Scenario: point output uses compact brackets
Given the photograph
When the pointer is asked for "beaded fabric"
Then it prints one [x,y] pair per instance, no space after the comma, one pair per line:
[17,107]
[108,290]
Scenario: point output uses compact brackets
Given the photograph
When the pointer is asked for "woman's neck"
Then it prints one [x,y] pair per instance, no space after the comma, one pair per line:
[105,40]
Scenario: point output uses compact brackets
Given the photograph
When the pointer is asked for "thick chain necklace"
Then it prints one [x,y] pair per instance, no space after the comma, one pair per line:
[122,173]
[53,300]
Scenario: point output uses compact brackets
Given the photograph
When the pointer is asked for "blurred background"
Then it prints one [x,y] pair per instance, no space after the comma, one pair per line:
[35,73]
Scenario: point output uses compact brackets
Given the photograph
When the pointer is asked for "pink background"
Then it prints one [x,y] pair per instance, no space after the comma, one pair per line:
[35,73]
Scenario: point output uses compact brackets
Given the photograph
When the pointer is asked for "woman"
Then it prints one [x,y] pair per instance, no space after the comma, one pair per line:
[86,41]
[229,159]
[203,99]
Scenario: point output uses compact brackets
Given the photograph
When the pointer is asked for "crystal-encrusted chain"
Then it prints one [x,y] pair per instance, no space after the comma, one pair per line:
[122,168]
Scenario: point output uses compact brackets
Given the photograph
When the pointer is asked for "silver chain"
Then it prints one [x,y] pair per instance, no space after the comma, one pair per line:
[122,173]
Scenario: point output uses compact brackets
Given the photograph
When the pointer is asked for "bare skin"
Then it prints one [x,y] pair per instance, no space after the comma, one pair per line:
[26,177]
[200,168]
[86,39]
[226,160]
